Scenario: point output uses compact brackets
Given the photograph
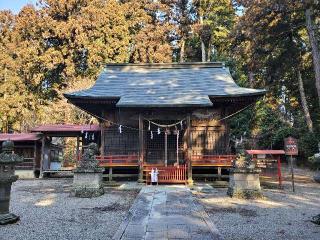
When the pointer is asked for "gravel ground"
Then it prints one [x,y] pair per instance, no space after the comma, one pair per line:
[47,211]
[281,215]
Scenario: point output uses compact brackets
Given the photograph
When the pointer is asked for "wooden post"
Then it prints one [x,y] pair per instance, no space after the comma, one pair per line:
[177,148]
[34,156]
[141,149]
[219,173]
[165,148]
[77,150]
[292,173]
[189,146]
[102,139]
[42,155]
[279,172]
[110,174]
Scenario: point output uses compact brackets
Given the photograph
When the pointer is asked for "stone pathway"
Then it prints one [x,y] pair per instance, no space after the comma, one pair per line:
[167,212]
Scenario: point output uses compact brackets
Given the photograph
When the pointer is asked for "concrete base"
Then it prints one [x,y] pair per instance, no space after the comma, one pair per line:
[8,218]
[87,184]
[244,183]
[25,174]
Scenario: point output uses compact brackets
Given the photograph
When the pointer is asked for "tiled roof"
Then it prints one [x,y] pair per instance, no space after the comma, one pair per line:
[19,137]
[66,128]
[189,84]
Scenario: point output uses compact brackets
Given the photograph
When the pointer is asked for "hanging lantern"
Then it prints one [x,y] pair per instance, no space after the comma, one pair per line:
[159,131]
[120,129]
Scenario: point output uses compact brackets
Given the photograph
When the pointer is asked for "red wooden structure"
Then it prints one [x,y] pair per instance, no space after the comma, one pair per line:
[269,162]
[212,160]
[118,160]
[170,174]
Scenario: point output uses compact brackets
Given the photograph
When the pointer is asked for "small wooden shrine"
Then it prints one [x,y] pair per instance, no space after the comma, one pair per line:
[168,116]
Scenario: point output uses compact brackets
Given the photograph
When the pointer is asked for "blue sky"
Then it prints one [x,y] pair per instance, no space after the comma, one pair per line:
[14,5]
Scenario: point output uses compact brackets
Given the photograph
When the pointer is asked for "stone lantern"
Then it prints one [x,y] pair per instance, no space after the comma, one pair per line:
[8,160]
[87,179]
[244,177]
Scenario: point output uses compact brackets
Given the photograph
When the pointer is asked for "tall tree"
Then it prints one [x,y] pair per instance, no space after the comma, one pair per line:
[309,10]
[150,30]
[216,20]
[269,35]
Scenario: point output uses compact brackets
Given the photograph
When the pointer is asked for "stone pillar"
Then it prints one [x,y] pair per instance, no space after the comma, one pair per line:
[7,161]
[87,180]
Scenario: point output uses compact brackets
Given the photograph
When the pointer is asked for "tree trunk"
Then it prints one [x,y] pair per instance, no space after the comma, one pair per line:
[315,49]
[203,48]
[304,103]
[251,78]
[182,49]
[209,53]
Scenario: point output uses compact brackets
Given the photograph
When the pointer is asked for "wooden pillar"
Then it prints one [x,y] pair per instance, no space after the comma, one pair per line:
[102,138]
[165,148]
[34,156]
[78,149]
[42,155]
[189,146]
[141,148]
[110,174]
[219,173]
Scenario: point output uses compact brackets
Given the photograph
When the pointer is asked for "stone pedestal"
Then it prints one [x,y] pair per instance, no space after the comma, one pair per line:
[87,180]
[244,183]
[87,184]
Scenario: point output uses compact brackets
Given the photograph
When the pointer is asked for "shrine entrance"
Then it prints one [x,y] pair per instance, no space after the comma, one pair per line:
[165,146]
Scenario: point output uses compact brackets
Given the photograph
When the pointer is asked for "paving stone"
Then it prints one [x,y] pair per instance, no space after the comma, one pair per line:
[156,235]
[160,227]
[167,213]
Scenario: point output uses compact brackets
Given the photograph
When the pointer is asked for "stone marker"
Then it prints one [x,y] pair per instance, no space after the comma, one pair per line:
[244,179]
[7,161]
[87,180]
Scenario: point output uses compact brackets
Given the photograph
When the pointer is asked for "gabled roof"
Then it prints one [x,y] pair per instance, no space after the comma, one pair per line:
[164,85]
[20,137]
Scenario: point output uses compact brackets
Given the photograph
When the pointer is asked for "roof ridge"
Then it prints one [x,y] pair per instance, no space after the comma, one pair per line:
[169,65]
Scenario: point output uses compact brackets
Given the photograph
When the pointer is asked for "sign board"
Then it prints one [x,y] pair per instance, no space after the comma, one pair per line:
[291,146]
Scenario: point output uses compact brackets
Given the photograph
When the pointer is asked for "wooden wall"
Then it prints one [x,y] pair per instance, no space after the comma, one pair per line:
[209,136]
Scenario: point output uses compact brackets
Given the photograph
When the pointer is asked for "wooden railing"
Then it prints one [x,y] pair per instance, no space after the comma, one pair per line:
[212,160]
[170,174]
[27,164]
[118,160]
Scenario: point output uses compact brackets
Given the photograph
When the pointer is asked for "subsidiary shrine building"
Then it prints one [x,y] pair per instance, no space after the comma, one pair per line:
[168,116]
